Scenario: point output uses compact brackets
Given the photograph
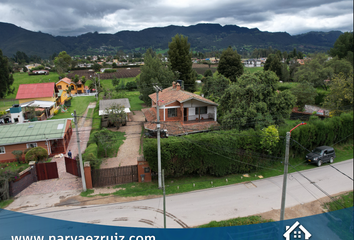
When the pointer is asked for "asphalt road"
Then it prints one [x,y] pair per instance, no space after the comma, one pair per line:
[200,207]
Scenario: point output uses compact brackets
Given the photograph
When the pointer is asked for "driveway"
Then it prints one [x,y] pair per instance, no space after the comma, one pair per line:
[65,182]
[129,150]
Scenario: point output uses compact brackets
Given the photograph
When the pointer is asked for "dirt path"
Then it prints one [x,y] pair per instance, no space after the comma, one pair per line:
[129,150]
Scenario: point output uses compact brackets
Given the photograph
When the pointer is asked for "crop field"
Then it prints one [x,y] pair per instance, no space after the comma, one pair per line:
[121,73]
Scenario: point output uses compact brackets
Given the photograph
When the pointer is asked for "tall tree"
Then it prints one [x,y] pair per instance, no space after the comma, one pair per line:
[214,87]
[343,47]
[230,64]
[273,64]
[153,71]
[305,93]
[342,93]
[6,78]
[180,58]
[62,62]
[254,102]
[315,71]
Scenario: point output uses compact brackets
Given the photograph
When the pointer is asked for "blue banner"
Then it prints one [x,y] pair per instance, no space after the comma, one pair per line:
[332,225]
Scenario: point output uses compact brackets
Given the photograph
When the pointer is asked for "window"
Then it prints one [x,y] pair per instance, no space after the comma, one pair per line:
[201,110]
[59,86]
[172,112]
[31,145]
[2,150]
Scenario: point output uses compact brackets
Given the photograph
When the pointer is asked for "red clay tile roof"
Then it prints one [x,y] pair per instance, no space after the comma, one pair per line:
[170,95]
[175,127]
[35,90]
[68,81]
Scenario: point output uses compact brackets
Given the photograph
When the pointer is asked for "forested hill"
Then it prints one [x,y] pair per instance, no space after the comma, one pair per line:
[203,37]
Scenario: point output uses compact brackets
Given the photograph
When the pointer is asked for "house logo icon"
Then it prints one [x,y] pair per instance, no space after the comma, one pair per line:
[296,233]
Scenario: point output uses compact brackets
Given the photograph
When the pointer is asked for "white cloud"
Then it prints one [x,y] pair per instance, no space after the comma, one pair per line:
[67,17]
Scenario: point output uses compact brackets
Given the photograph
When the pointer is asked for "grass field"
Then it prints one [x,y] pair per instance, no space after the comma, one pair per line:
[77,103]
[24,78]
[252,69]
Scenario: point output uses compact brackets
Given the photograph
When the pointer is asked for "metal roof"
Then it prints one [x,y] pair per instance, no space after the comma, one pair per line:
[32,131]
[124,102]
[37,103]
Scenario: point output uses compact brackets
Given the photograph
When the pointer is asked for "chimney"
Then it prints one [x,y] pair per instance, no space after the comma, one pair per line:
[173,85]
[178,87]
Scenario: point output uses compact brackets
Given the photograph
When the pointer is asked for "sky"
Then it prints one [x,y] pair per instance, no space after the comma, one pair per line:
[75,17]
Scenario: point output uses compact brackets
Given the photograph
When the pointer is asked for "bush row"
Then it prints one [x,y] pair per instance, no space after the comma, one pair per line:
[90,154]
[220,153]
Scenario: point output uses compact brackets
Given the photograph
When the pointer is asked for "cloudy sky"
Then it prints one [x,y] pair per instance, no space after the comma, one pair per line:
[75,17]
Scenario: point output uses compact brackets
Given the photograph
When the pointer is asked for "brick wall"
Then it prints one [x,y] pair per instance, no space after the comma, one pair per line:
[26,179]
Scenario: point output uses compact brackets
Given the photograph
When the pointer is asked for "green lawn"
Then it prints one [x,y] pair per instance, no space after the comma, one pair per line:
[24,78]
[252,69]
[77,103]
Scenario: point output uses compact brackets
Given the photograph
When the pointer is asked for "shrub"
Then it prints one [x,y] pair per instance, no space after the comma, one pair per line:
[110,70]
[56,111]
[208,73]
[90,155]
[36,154]
[227,152]
[131,86]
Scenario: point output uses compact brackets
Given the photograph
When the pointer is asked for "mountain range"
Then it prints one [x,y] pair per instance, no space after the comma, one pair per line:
[202,37]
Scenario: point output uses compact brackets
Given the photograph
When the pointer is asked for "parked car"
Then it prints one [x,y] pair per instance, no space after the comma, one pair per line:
[321,155]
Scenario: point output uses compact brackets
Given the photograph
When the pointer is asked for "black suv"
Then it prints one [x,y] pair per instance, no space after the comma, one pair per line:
[321,155]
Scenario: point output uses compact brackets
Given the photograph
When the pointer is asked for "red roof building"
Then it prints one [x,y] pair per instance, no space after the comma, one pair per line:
[181,112]
[36,91]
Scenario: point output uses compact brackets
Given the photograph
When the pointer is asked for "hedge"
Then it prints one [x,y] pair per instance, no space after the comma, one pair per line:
[220,153]
[90,155]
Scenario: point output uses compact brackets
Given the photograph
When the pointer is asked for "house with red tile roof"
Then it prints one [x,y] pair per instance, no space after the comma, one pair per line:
[181,112]
[37,92]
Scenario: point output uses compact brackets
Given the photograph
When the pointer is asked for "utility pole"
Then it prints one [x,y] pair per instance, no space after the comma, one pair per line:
[158,89]
[80,157]
[164,198]
[285,176]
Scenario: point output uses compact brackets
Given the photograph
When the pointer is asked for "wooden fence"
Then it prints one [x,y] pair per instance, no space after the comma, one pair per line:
[113,176]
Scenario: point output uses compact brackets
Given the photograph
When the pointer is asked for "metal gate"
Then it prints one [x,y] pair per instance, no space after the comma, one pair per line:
[72,166]
[47,171]
[113,176]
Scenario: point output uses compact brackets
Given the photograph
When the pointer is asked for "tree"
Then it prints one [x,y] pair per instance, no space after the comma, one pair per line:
[116,115]
[254,102]
[214,87]
[36,154]
[62,62]
[342,93]
[6,79]
[314,71]
[343,47]
[18,155]
[230,64]
[208,73]
[269,138]
[273,64]
[76,79]
[180,58]
[340,66]
[153,71]
[305,93]
[83,80]
[96,67]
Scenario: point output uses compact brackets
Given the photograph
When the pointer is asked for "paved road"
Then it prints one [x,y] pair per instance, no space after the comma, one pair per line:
[195,208]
